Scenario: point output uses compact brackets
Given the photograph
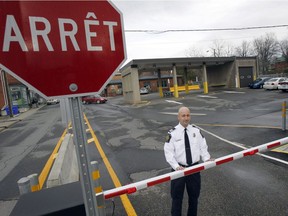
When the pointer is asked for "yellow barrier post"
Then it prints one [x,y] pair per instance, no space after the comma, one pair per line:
[205,87]
[186,80]
[34,182]
[98,188]
[160,83]
[205,82]
[161,91]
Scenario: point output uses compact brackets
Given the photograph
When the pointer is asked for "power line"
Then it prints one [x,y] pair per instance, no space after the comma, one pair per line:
[203,30]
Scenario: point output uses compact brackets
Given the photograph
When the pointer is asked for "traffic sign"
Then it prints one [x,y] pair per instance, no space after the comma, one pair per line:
[61,48]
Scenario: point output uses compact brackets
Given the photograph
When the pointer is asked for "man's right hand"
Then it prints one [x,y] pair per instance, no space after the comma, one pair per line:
[179,168]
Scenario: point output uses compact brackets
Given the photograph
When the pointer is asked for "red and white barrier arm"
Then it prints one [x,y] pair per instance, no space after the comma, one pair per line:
[132,188]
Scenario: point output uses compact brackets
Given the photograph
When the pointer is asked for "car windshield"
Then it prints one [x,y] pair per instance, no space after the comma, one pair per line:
[257,80]
[273,80]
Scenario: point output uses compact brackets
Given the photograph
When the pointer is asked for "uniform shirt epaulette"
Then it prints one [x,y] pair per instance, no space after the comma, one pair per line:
[198,129]
[168,136]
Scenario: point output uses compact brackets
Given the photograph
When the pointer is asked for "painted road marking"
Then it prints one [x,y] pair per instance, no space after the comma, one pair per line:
[234,92]
[90,140]
[262,109]
[241,126]
[207,96]
[171,101]
[124,198]
[282,149]
[44,174]
[243,147]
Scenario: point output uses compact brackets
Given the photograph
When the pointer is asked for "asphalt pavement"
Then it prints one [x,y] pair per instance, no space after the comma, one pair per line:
[7,121]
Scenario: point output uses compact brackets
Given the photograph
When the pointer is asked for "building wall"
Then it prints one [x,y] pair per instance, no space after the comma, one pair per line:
[149,80]
[280,67]
[114,87]
[215,76]
[130,81]
[249,62]
[227,75]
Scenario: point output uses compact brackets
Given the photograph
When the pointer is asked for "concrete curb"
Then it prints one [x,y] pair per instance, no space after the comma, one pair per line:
[65,168]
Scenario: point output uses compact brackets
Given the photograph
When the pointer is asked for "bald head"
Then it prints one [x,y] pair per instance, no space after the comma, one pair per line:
[184,116]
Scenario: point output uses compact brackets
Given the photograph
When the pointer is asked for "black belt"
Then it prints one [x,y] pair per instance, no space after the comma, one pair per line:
[188,165]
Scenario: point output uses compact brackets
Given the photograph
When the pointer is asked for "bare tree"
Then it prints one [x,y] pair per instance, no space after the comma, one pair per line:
[194,52]
[229,50]
[244,50]
[220,49]
[217,49]
[284,48]
[266,48]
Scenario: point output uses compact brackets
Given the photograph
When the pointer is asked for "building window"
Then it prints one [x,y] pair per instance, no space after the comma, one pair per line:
[164,83]
[19,95]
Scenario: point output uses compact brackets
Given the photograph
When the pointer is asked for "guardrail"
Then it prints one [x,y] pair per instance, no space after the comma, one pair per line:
[134,187]
[182,88]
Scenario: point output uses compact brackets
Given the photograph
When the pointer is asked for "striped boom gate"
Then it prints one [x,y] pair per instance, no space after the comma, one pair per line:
[134,187]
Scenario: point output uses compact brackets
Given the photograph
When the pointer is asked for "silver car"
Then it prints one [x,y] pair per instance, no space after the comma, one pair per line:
[273,83]
[283,85]
[144,90]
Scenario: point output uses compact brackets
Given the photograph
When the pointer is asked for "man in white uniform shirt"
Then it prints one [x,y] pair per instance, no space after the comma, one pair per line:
[181,152]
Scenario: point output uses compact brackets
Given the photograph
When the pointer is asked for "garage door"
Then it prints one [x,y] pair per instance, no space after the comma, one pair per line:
[246,76]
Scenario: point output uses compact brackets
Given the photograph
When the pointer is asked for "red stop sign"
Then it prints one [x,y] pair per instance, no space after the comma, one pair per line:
[61,48]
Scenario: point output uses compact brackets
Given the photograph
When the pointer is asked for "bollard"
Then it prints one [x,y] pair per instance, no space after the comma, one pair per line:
[34,182]
[101,203]
[24,185]
[98,188]
[284,116]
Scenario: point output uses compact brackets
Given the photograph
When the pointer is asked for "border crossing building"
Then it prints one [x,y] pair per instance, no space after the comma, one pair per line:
[226,72]
[159,75]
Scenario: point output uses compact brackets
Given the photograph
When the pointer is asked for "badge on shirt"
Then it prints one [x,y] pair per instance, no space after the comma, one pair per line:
[194,135]
[167,138]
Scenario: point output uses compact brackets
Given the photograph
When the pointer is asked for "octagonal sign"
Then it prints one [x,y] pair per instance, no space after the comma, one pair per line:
[61,48]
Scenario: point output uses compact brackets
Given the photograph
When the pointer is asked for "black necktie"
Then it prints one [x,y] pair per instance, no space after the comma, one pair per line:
[187,148]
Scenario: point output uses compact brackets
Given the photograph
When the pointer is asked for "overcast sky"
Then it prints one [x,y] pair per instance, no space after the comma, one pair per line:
[196,14]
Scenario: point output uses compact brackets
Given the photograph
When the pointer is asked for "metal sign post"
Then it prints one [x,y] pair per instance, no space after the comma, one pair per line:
[80,141]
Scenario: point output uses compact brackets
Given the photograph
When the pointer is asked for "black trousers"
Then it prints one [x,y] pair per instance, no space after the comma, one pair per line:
[193,186]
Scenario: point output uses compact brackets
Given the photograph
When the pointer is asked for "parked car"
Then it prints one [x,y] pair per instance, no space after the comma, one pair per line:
[52,101]
[283,85]
[273,83]
[144,90]
[258,83]
[93,99]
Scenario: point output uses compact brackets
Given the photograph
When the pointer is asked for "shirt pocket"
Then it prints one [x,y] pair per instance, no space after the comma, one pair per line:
[179,146]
